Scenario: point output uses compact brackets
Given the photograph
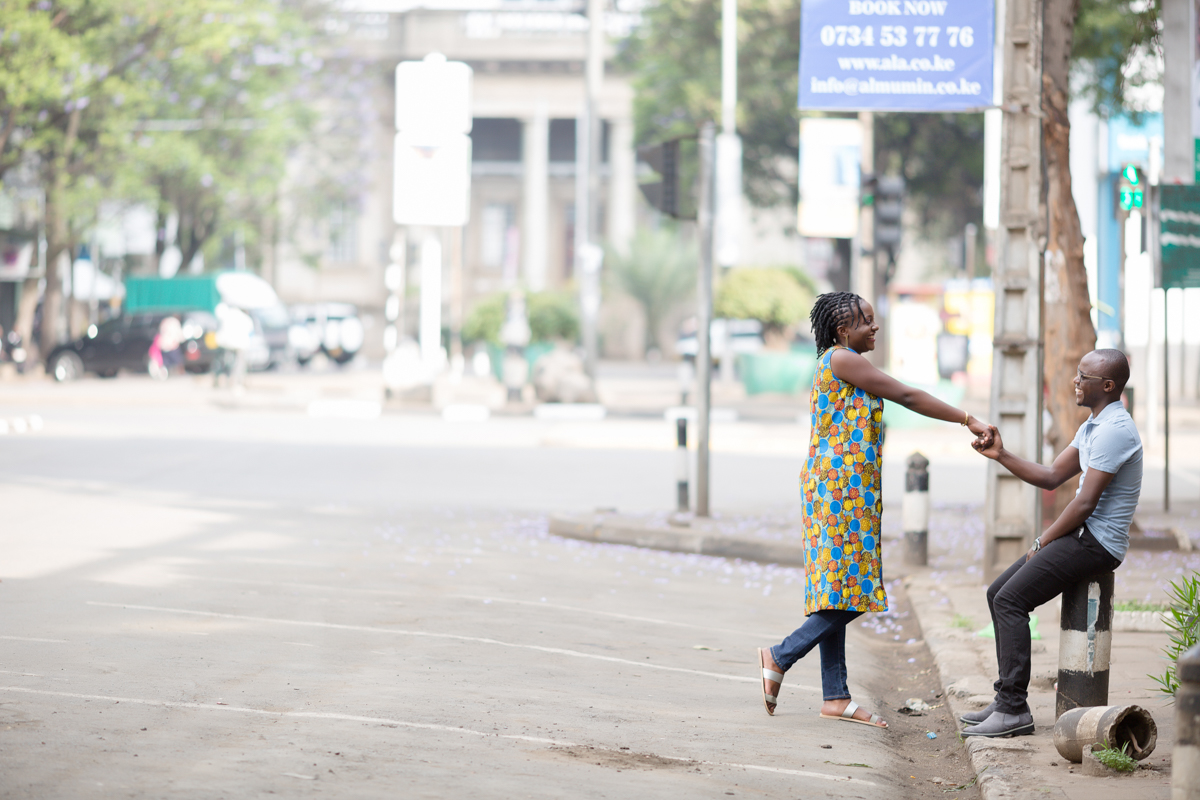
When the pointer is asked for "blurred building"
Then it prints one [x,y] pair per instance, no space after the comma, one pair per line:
[528,60]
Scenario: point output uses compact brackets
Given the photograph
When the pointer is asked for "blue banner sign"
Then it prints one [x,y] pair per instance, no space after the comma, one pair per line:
[896,55]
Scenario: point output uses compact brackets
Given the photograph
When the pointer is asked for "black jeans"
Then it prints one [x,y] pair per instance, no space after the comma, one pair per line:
[1023,587]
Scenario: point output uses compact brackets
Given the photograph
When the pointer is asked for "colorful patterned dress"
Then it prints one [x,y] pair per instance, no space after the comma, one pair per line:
[842,502]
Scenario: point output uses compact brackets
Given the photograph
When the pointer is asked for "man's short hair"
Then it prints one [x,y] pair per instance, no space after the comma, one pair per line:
[1114,365]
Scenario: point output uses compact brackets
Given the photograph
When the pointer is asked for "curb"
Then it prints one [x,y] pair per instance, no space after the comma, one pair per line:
[999,773]
[678,536]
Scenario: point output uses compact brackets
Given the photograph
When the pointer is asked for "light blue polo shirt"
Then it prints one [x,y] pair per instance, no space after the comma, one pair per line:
[1109,442]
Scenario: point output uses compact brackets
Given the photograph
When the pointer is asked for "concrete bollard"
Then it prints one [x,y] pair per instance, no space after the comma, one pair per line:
[1078,729]
[915,511]
[1084,644]
[1185,762]
[681,465]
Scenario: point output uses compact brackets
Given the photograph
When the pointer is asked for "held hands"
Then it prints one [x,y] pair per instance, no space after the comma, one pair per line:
[983,432]
[988,443]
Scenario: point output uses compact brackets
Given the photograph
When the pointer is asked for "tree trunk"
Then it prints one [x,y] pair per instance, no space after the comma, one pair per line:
[1066,305]
[57,230]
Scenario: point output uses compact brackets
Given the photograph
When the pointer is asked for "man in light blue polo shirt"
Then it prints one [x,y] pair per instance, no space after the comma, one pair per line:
[1091,536]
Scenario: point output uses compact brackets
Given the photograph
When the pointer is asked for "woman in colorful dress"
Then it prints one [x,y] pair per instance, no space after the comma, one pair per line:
[843,499]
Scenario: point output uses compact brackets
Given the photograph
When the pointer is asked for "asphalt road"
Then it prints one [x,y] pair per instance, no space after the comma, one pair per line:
[235,604]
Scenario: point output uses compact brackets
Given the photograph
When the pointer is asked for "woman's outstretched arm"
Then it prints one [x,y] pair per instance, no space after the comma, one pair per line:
[857,371]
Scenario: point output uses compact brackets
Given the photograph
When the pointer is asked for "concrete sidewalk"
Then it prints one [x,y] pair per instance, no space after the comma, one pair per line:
[948,598]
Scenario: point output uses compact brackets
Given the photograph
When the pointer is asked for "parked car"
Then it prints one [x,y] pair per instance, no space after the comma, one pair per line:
[270,343]
[124,343]
[332,328]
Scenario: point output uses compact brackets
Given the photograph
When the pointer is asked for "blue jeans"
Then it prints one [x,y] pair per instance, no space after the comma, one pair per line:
[826,628]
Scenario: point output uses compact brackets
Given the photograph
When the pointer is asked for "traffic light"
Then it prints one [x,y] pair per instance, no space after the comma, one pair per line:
[888,199]
[675,161]
[1129,190]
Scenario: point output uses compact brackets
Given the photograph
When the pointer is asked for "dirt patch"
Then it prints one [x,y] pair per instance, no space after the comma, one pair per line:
[622,759]
[910,672]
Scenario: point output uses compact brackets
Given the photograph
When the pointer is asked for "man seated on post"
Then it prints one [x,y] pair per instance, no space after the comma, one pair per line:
[1090,537]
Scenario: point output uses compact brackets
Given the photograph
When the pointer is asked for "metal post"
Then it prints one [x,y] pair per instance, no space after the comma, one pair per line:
[1185,761]
[1166,409]
[1013,508]
[704,226]
[682,503]
[1084,644]
[914,513]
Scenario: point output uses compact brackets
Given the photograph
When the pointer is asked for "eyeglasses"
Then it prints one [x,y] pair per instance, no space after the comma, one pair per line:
[1081,377]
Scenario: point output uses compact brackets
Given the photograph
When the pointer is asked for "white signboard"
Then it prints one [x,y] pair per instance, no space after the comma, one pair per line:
[433,98]
[830,157]
[432,184]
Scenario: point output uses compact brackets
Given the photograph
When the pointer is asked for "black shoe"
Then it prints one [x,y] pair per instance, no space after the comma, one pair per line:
[1000,725]
[976,717]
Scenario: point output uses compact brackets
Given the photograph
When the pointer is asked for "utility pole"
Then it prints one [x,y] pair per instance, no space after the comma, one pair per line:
[728,170]
[588,254]
[1013,510]
[862,281]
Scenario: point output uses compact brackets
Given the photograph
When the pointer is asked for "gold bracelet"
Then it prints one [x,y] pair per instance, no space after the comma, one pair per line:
[966,418]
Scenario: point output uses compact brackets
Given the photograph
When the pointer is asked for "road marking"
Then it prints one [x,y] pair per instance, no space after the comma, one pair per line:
[31,639]
[394,593]
[415,725]
[454,636]
[614,615]
[27,674]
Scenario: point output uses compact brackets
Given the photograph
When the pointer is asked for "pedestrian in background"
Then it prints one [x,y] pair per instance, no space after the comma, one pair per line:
[234,328]
[842,496]
[1089,537]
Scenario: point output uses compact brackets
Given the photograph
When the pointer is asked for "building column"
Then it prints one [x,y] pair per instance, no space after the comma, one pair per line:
[622,187]
[535,147]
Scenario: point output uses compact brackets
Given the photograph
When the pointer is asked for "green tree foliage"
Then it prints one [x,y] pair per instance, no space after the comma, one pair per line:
[1116,50]
[658,272]
[192,106]
[675,59]
[770,295]
[675,56]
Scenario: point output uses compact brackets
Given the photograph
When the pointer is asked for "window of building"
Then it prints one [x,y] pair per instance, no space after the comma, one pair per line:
[499,238]
[562,140]
[495,139]
[342,246]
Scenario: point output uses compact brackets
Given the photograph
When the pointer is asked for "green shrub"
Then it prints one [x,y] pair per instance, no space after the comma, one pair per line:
[771,295]
[1120,760]
[485,320]
[658,272]
[1182,620]
[552,315]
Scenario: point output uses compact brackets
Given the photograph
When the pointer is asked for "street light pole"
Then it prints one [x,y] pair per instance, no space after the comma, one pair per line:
[587,187]
[704,226]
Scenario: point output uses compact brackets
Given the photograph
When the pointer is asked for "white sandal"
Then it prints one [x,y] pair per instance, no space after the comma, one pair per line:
[769,700]
[848,716]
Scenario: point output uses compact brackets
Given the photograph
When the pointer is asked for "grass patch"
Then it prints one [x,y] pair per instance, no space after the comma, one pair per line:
[1120,760]
[962,621]
[1139,605]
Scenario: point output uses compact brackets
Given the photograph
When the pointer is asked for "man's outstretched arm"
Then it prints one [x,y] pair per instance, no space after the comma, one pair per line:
[1065,467]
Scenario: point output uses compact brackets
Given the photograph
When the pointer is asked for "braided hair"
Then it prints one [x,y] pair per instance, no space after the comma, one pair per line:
[831,310]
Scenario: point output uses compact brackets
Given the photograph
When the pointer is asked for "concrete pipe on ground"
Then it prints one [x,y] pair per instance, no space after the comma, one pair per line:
[1118,726]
